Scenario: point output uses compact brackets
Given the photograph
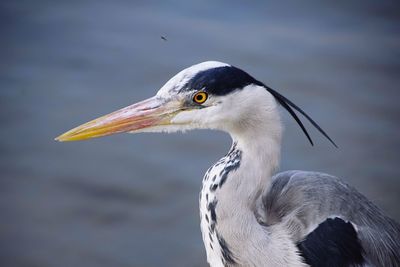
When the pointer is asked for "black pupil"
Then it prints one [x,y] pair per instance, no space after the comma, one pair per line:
[199,97]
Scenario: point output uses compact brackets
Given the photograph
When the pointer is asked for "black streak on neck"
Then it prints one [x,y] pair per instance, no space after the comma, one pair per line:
[211,208]
[227,256]
[234,156]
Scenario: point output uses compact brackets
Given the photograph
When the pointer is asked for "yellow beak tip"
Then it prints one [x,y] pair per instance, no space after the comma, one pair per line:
[67,137]
[75,135]
[61,138]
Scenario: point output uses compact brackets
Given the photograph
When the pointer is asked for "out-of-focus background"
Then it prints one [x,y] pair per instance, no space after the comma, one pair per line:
[131,200]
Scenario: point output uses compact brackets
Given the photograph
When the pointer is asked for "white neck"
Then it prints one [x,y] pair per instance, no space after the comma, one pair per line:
[260,155]
[234,234]
[259,140]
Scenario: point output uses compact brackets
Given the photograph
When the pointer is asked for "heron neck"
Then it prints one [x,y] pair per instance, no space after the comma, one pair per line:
[260,157]
[259,150]
[230,193]
[259,139]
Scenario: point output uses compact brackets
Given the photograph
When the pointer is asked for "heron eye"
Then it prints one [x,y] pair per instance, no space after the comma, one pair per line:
[200,97]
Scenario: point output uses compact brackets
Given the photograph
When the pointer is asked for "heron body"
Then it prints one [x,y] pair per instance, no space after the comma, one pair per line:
[249,216]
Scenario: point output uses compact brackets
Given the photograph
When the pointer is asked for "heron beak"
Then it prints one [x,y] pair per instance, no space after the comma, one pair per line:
[151,112]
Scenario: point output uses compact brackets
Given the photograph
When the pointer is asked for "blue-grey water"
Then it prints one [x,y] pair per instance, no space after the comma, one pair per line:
[131,200]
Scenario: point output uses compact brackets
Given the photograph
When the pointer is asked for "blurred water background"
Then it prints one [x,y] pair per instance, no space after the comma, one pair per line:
[131,200]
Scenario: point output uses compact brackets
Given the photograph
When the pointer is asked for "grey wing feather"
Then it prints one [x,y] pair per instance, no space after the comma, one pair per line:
[302,200]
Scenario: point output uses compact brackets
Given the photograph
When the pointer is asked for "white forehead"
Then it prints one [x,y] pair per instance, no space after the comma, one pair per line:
[180,79]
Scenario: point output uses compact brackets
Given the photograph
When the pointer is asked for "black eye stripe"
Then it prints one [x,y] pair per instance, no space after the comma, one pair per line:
[220,81]
[224,80]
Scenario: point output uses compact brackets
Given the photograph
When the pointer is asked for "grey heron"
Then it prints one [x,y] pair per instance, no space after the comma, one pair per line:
[249,215]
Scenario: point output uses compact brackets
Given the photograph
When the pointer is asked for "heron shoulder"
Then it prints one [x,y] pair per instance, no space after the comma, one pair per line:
[317,207]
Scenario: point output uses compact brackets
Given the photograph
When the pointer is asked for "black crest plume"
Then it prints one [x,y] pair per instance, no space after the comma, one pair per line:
[223,80]
[288,105]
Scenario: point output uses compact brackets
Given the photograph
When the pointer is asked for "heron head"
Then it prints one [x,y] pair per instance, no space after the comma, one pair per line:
[209,95]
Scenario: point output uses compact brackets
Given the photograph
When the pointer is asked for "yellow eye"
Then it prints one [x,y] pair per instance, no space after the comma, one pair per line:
[200,97]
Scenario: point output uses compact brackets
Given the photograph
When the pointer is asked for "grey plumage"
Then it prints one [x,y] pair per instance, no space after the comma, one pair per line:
[301,200]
